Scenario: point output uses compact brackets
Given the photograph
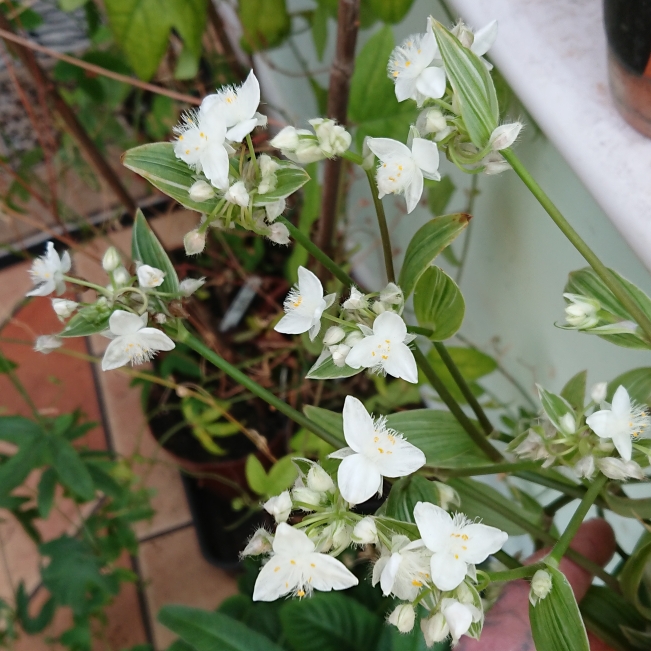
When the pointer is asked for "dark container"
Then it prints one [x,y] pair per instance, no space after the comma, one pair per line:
[628,31]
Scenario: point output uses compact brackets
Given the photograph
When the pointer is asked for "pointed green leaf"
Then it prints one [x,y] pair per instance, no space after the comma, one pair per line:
[556,623]
[472,84]
[637,382]
[146,248]
[574,390]
[555,406]
[19,430]
[86,322]
[14,470]
[633,573]
[325,369]
[256,475]
[265,23]
[426,244]
[438,304]
[329,420]
[46,488]
[281,476]
[72,471]
[33,625]
[406,493]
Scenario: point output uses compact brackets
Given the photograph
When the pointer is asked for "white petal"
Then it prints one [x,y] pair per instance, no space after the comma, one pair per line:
[361,353]
[603,423]
[447,571]
[401,363]
[214,162]
[273,583]
[241,130]
[621,406]
[43,289]
[329,300]
[293,323]
[404,459]
[414,191]
[386,148]
[390,326]
[431,82]
[115,356]
[358,479]
[156,339]
[623,443]
[435,525]
[126,323]
[248,96]
[341,454]
[405,89]
[66,263]
[389,573]
[484,38]
[482,542]
[291,541]
[329,573]
[458,617]
[309,285]
[378,568]
[358,424]
[426,155]
[315,327]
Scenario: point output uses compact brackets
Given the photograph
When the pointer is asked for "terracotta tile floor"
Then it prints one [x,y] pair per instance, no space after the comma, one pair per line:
[169,564]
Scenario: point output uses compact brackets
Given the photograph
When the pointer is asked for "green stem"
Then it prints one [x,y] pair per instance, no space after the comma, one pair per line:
[97,288]
[590,496]
[591,258]
[254,160]
[507,560]
[317,253]
[492,469]
[521,572]
[199,347]
[453,406]
[573,490]
[463,387]
[384,229]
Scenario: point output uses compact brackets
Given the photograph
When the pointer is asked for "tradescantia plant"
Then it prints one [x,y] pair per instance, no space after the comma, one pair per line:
[436,542]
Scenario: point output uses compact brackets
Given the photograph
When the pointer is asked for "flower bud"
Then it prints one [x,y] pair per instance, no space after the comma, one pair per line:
[260,543]
[268,165]
[47,343]
[341,537]
[403,618]
[447,495]
[581,313]
[333,335]
[319,480]
[365,531]
[190,285]
[307,151]
[237,194]
[306,496]
[160,318]
[430,120]
[201,191]
[286,138]
[353,338]
[598,392]
[494,164]
[280,506]
[356,300]
[504,136]
[567,423]
[149,277]
[273,211]
[541,586]
[585,466]
[368,157]
[619,469]
[194,242]
[379,307]
[111,260]
[121,277]
[459,617]
[435,629]
[392,294]
[278,233]
[339,354]
[63,308]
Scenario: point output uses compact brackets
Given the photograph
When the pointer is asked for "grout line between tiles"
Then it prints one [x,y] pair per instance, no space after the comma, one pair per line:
[145,612]
[165,532]
[101,403]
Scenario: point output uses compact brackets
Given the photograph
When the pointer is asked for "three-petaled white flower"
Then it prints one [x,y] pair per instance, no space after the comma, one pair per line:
[478,42]
[304,306]
[132,341]
[47,272]
[238,108]
[386,349]
[296,567]
[401,169]
[456,542]
[410,67]
[375,452]
[150,277]
[622,421]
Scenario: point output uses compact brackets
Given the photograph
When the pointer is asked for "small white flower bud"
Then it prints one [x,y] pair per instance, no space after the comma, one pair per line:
[194,242]
[567,423]
[435,629]
[353,338]
[403,618]
[598,392]
[585,466]
[63,308]
[341,537]
[392,294]
[237,194]
[504,136]
[267,184]
[260,543]
[356,301]
[111,260]
[47,343]
[319,480]
[464,34]
[447,495]
[306,496]
[274,210]
[339,354]
[368,157]
[160,318]
[365,531]
[582,311]
[494,164]
[541,586]
[268,165]
[619,469]
[379,307]
[201,191]
[280,506]
[333,335]
[190,285]
[286,138]
[430,120]
[149,277]
[308,151]
[121,276]
[278,233]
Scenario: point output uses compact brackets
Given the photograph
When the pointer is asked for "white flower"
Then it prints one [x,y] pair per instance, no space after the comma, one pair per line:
[260,543]
[339,354]
[150,277]
[194,242]
[365,531]
[533,447]
[121,276]
[333,335]
[478,42]
[567,423]
[304,306]
[237,107]
[619,470]
[392,294]
[375,452]
[458,618]
[47,343]
[63,308]
[237,194]
[274,210]
[401,170]
[190,285]
[132,340]
[386,350]
[295,567]
[435,629]
[404,570]
[505,135]
[286,139]
[431,120]
[201,191]
[494,163]
[111,260]
[280,506]
[447,495]
[541,586]
[598,392]
[356,301]
[306,496]
[581,313]
[333,139]
[279,234]
[585,466]
[409,67]
[319,480]
[624,420]
[200,144]
[47,272]
[403,618]
[456,543]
